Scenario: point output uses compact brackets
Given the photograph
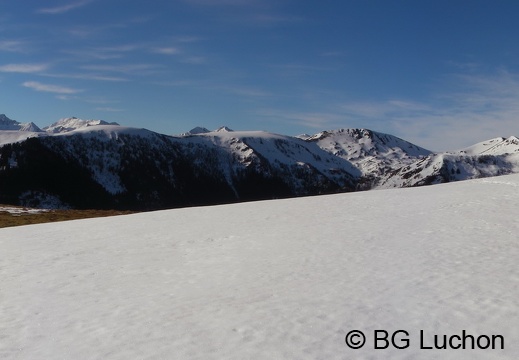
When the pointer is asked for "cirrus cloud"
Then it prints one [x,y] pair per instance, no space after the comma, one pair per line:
[56,89]
[64,8]
[23,68]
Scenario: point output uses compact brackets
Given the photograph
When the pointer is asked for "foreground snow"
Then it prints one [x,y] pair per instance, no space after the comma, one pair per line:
[283,279]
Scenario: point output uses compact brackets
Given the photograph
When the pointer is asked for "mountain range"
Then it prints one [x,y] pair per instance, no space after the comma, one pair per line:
[76,163]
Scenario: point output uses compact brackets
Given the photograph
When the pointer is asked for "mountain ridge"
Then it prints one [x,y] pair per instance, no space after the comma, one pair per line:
[13,125]
[130,168]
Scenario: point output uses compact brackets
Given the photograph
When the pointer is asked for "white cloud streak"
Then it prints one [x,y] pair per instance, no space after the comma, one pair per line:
[470,109]
[96,77]
[56,89]
[480,108]
[64,8]
[129,69]
[23,68]
[12,46]
[166,50]
[315,120]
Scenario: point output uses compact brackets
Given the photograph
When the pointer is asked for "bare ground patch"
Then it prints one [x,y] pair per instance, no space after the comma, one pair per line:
[16,216]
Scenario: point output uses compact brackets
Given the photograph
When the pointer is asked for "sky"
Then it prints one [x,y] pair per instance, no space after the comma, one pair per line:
[441,74]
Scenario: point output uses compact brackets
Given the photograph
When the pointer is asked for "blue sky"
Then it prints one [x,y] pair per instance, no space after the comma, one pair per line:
[442,74]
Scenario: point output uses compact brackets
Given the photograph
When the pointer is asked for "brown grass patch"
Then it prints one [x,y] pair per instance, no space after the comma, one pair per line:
[25,218]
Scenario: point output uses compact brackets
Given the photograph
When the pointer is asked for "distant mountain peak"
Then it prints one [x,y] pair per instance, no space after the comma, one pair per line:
[4,120]
[224,129]
[198,130]
[13,125]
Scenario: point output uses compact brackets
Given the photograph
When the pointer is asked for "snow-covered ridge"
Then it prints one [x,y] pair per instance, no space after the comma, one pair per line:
[251,147]
[373,153]
[497,146]
[199,130]
[231,164]
[14,136]
[73,123]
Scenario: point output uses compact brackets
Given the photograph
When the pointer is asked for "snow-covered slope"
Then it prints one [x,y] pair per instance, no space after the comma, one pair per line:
[73,123]
[14,136]
[499,156]
[268,152]
[497,146]
[284,279]
[128,168]
[373,153]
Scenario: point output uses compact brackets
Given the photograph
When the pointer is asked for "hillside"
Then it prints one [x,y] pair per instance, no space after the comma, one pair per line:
[283,279]
[495,157]
[85,164]
[109,166]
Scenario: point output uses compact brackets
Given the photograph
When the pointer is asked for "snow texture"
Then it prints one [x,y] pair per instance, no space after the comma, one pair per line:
[282,279]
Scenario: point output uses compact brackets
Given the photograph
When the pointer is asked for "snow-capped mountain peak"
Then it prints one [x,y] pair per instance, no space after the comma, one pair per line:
[8,124]
[5,121]
[73,123]
[224,129]
[370,151]
[198,130]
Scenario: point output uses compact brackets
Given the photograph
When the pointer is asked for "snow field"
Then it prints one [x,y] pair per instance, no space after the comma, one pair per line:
[284,279]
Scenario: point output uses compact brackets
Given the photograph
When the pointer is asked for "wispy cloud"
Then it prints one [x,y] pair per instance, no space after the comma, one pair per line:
[95,77]
[56,89]
[67,97]
[386,109]
[475,107]
[468,109]
[23,68]
[88,31]
[12,46]
[166,50]
[94,53]
[129,69]
[109,109]
[314,120]
[64,8]
[121,51]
